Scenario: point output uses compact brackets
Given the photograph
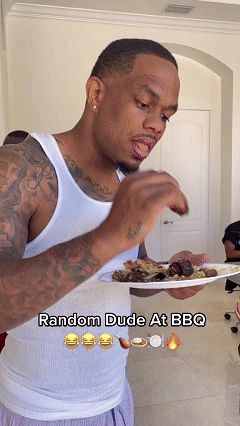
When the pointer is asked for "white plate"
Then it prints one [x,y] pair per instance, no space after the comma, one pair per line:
[155,341]
[223,269]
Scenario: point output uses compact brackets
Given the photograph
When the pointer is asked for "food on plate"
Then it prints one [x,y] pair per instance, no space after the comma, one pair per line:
[138,341]
[223,271]
[146,265]
[209,272]
[150,271]
[181,267]
[138,270]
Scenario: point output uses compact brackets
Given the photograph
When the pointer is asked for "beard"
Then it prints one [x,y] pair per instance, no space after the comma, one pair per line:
[126,169]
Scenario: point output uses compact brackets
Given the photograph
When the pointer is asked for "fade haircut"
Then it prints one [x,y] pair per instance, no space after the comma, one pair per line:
[119,56]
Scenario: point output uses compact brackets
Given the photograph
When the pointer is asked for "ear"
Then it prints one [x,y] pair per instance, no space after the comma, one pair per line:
[95,90]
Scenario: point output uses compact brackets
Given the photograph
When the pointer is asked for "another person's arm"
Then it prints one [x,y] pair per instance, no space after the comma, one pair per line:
[230,251]
[230,241]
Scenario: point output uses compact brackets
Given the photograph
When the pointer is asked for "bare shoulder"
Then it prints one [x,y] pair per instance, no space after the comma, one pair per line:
[36,174]
[26,179]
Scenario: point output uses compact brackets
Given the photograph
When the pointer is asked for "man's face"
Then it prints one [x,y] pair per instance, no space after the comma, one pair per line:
[134,111]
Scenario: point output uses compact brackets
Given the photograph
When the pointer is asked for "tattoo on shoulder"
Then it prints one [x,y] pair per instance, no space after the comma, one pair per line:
[41,177]
[13,172]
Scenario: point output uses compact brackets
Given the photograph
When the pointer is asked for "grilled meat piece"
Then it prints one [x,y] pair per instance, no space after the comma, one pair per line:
[181,267]
[209,272]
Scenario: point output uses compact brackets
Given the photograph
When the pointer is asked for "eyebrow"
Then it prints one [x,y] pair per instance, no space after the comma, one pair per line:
[148,89]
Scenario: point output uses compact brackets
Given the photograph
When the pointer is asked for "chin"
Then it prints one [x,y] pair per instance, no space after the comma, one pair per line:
[126,168]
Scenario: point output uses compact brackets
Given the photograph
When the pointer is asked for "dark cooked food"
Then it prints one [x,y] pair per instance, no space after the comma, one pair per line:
[209,272]
[181,267]
[133,276]
[146,270]
[138,271]
[160,276]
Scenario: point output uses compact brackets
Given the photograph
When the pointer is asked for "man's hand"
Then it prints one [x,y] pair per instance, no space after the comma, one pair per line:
[176,293]
[142,292]
[184,292]
[141,197]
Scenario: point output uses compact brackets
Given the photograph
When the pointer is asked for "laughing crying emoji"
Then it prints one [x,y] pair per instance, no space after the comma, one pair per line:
[88,341]
[105,340]
[72,341]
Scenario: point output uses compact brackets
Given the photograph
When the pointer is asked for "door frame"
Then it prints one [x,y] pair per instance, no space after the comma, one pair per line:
[214,244]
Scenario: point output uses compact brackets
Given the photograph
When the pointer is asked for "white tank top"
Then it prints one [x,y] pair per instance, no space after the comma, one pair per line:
[40,378]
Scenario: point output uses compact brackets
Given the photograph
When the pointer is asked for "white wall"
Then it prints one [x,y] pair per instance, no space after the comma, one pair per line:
[3,81]
[49,61]
[2,121]
[201,89]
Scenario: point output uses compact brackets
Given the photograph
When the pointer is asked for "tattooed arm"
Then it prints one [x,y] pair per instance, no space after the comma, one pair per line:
[28,286]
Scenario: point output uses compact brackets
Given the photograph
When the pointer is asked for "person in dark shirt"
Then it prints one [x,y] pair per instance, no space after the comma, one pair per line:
[231,241]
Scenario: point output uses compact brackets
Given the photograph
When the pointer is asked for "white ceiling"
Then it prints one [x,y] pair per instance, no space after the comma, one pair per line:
[212,10]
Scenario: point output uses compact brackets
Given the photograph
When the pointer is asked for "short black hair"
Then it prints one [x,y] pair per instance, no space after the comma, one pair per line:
[14,137]
[119,56]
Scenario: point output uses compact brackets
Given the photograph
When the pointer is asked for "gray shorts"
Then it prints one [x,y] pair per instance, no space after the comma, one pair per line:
[122,415]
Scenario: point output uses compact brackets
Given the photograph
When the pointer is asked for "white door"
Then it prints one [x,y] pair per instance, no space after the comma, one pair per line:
[183,152]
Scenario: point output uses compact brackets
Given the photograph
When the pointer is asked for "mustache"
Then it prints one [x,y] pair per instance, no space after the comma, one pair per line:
[144,136]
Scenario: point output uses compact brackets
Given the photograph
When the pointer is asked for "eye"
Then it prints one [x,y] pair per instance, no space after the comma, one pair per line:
[142,105]
[165,118]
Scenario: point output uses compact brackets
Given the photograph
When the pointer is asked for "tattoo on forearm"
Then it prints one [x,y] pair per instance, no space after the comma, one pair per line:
[78,259]
[59,270]
[132,233]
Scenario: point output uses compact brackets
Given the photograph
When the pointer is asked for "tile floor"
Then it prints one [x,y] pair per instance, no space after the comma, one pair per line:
[199,383]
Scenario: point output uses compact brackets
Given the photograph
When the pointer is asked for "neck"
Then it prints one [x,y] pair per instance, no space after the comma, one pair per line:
[78,145]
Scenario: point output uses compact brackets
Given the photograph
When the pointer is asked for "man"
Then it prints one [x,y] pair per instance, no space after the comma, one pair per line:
[69,214]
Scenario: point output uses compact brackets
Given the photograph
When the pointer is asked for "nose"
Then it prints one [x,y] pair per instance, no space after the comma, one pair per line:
[155,124]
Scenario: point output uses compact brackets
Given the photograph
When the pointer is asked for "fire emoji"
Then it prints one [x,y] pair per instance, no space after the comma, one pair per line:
[173,342]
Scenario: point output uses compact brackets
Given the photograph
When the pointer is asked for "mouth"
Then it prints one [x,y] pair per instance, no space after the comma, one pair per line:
[72,345]
[141,148]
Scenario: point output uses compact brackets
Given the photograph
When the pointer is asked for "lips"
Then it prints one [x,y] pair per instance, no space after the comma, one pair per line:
[142,147]
[141,150]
